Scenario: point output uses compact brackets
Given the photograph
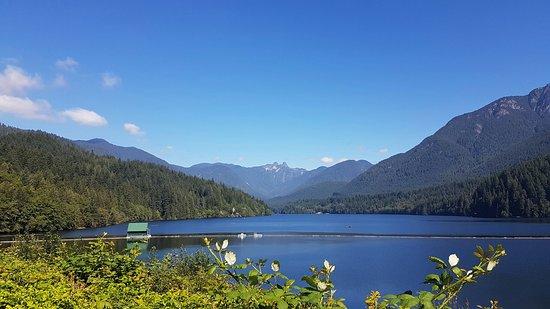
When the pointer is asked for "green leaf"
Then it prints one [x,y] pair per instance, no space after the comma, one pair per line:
[446,278]
[425,296]
[281,304]
[439,262]
[432,279]
[457,271]
[212,270]
[310,280]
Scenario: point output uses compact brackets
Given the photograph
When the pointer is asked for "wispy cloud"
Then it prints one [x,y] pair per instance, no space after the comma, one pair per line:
[67,64]
[15,81]
[331,161]
[383,151]
[85,117]
[327,160]
[26,108]
[110,80]
[133,129]
[59,81]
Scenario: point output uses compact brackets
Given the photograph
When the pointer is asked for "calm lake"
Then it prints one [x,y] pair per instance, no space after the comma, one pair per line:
[376,252]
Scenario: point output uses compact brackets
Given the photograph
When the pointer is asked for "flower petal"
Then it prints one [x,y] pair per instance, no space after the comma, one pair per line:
[453,260]
[491,265]
[230,257]
[275,266]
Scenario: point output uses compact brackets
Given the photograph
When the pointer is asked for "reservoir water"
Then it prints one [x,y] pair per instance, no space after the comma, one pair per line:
[376,252]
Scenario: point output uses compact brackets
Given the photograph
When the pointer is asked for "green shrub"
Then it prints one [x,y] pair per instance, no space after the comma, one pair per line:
[32,275]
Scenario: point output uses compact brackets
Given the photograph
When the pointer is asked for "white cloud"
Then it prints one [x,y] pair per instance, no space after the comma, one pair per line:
[59,81]
[13,80]
[109,80]
[169,147]
[327,160]
[26,108]
[42,110]
[85,117]
[383,151]
[331,161]
[67,64]
[241,159]
[134,129]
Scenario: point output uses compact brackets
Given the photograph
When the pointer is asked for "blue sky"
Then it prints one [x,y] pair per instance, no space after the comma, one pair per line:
[253,82]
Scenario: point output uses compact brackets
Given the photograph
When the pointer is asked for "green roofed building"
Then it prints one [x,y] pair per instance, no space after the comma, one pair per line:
[138,230]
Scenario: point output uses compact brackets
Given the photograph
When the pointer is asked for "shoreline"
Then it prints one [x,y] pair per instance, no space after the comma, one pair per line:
[313,235]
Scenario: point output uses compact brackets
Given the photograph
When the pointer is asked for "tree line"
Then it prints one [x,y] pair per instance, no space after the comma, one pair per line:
[521,191]
[47,183]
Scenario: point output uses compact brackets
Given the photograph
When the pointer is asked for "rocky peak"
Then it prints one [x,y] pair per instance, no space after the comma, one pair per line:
[539,100]
[505,106]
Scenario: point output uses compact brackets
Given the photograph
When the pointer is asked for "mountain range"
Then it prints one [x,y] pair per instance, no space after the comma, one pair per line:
[499,135]
[503,133]
[265,181]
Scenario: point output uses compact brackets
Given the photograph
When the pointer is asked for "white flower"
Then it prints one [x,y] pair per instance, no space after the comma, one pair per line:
[328,267]
[321,285]
[469,274]
[230,257]
[225,244]
[491,265]
[217,245]
[453,260]
[275,266]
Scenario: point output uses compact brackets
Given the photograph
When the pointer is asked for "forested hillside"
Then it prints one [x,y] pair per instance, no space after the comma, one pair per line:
[317,191]
[522,191]
[47,183]
[495,137]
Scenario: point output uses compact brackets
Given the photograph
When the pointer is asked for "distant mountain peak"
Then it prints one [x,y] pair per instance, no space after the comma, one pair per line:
[97,141]
[539,100]
[102,147]
[275,167]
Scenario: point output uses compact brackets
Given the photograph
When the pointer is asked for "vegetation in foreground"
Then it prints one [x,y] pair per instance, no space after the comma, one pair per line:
[49,184]
[522,191]
[51,274]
